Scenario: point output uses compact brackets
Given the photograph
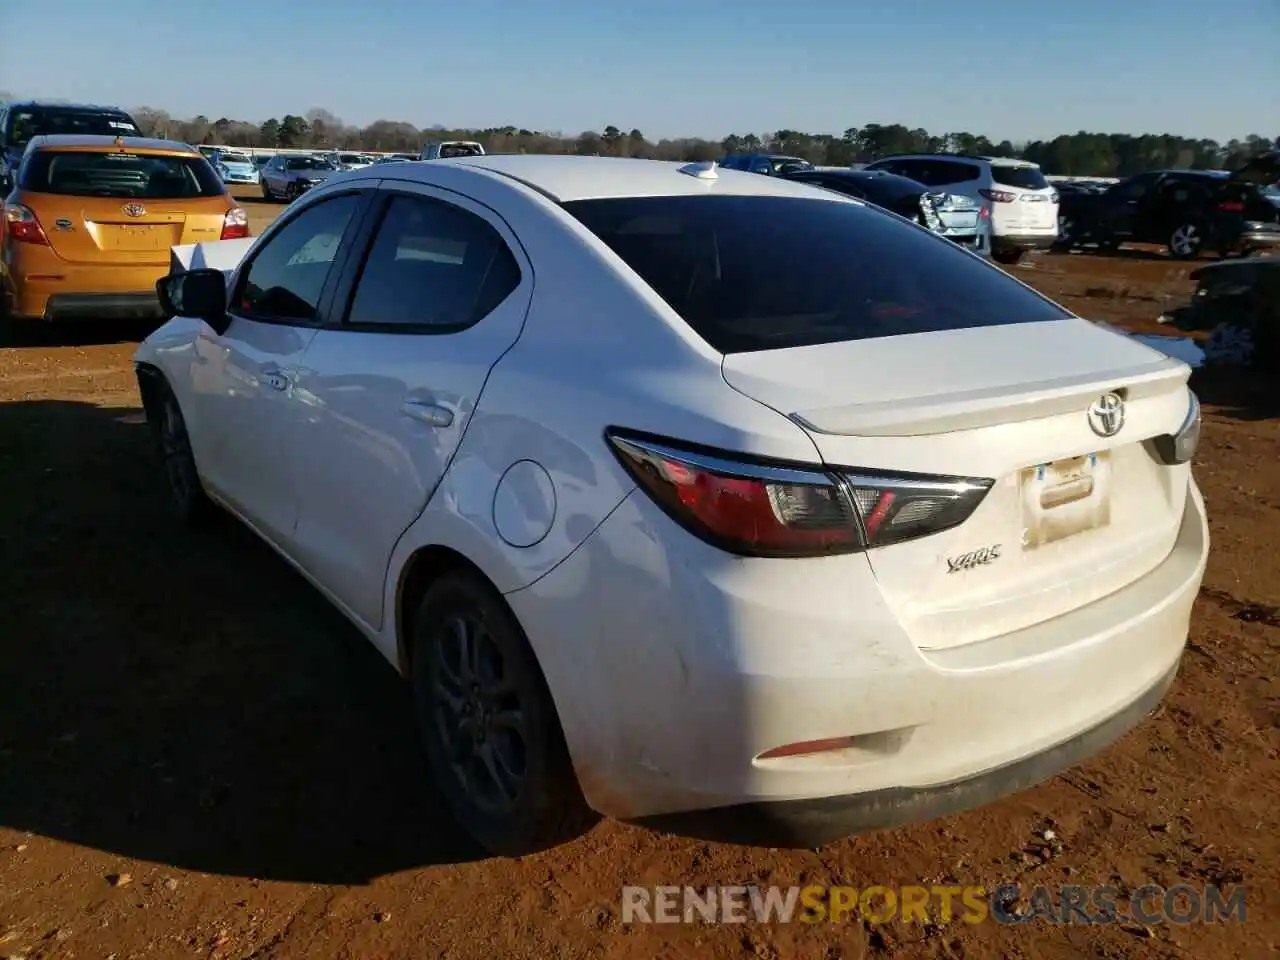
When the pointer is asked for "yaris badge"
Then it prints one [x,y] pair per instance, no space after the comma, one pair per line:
[1106,415]
[134,210]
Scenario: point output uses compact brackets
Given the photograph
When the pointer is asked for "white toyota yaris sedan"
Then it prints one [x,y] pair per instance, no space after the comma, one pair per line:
[689,497]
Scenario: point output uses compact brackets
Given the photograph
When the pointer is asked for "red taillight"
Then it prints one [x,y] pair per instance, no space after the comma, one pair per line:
[984,213]
[1231,206]
[999,196]
[23,226]
[783,510]
[235,225]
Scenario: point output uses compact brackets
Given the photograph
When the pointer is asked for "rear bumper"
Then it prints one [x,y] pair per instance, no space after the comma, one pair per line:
[1270,239]
[696,668]
[43,287]
[1023,241]
[103,306]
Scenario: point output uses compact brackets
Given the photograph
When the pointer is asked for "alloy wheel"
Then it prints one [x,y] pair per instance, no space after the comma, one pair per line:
[1185,240]
[175,449]
[478,715]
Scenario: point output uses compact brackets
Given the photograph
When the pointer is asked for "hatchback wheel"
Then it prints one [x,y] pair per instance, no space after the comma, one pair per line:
[488,724]
[170,429]
[266,192]
[1185,241]
[292,192]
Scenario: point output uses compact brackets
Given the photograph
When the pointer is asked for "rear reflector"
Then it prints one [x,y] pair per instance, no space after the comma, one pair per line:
[1231,206]
[756,508]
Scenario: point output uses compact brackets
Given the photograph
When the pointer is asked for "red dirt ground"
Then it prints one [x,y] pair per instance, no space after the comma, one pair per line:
[187,713]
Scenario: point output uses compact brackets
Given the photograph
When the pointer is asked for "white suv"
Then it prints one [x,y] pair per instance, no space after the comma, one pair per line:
[1023,205]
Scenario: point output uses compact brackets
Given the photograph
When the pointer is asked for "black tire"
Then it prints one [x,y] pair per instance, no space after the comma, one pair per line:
[291,193]
[267,195]
[1066,234]
[186,492]
[1008,257]
[1186,241]
[488,724]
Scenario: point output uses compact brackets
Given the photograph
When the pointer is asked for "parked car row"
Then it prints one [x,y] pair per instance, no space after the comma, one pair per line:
[1018,206]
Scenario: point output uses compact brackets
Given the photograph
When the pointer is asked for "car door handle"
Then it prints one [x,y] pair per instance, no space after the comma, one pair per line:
[275,379]
[432,414]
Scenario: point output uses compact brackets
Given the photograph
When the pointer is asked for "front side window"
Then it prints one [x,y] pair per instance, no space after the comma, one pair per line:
[432,265]
[287,276]
[766,273]
[1131,189]
[83,173]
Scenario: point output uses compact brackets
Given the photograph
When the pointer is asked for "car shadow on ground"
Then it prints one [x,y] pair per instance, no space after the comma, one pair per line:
[187,698]
[1238,393]
[85,333]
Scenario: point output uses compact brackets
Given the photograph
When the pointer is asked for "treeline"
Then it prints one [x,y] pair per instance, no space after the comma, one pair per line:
[1077,154]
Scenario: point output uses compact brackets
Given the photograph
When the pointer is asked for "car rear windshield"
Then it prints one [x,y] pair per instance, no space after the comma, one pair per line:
[25,124]
[235,158]
[767,273]
[1024,178]
[351,158]
[84,174]
[310,163]
[459,150]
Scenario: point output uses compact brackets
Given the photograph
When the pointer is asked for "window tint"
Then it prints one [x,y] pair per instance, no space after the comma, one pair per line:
[763,273]
[310,163]
[941,173]
[1025,178]
[27,123]
[286,278]
[435,265]
[125,175]
[1131,189]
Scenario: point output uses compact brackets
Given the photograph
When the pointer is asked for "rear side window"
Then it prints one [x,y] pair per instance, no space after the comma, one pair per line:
[1024,178]
[432,265]
[766,273]
[83,173]
[940,173]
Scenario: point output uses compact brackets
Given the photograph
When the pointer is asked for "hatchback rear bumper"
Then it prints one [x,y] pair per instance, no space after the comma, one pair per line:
[103,306]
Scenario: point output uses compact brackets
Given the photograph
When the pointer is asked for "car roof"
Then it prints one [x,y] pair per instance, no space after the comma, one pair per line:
[566,178]
[48,104]
[88,141]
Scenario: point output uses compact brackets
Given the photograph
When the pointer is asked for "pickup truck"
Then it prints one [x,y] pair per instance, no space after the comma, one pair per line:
[446,149]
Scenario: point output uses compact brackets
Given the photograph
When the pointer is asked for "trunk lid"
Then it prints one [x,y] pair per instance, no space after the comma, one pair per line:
[116,231]
[1072,515]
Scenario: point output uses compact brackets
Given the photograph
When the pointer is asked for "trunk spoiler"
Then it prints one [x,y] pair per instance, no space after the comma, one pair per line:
[224,255]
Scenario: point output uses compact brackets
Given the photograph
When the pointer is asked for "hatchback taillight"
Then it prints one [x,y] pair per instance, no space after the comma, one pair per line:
[999,196]
[235,225]
[764,509]
[23,226]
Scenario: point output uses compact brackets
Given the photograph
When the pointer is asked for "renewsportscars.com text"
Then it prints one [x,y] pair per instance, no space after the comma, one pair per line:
[1006,904]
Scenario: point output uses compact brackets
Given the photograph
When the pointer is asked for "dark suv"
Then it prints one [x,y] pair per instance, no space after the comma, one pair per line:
[1189,211]
[20,121]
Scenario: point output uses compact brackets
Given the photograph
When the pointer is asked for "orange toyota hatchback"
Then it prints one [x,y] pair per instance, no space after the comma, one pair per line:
[88,226]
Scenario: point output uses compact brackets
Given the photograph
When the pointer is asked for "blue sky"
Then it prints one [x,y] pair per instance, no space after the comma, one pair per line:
[670,67]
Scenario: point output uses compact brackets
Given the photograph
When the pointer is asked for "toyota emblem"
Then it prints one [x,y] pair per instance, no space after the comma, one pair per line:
[134,210]
[1106,415]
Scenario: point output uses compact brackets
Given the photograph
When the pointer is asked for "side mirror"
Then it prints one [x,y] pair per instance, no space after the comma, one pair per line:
[196,293]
